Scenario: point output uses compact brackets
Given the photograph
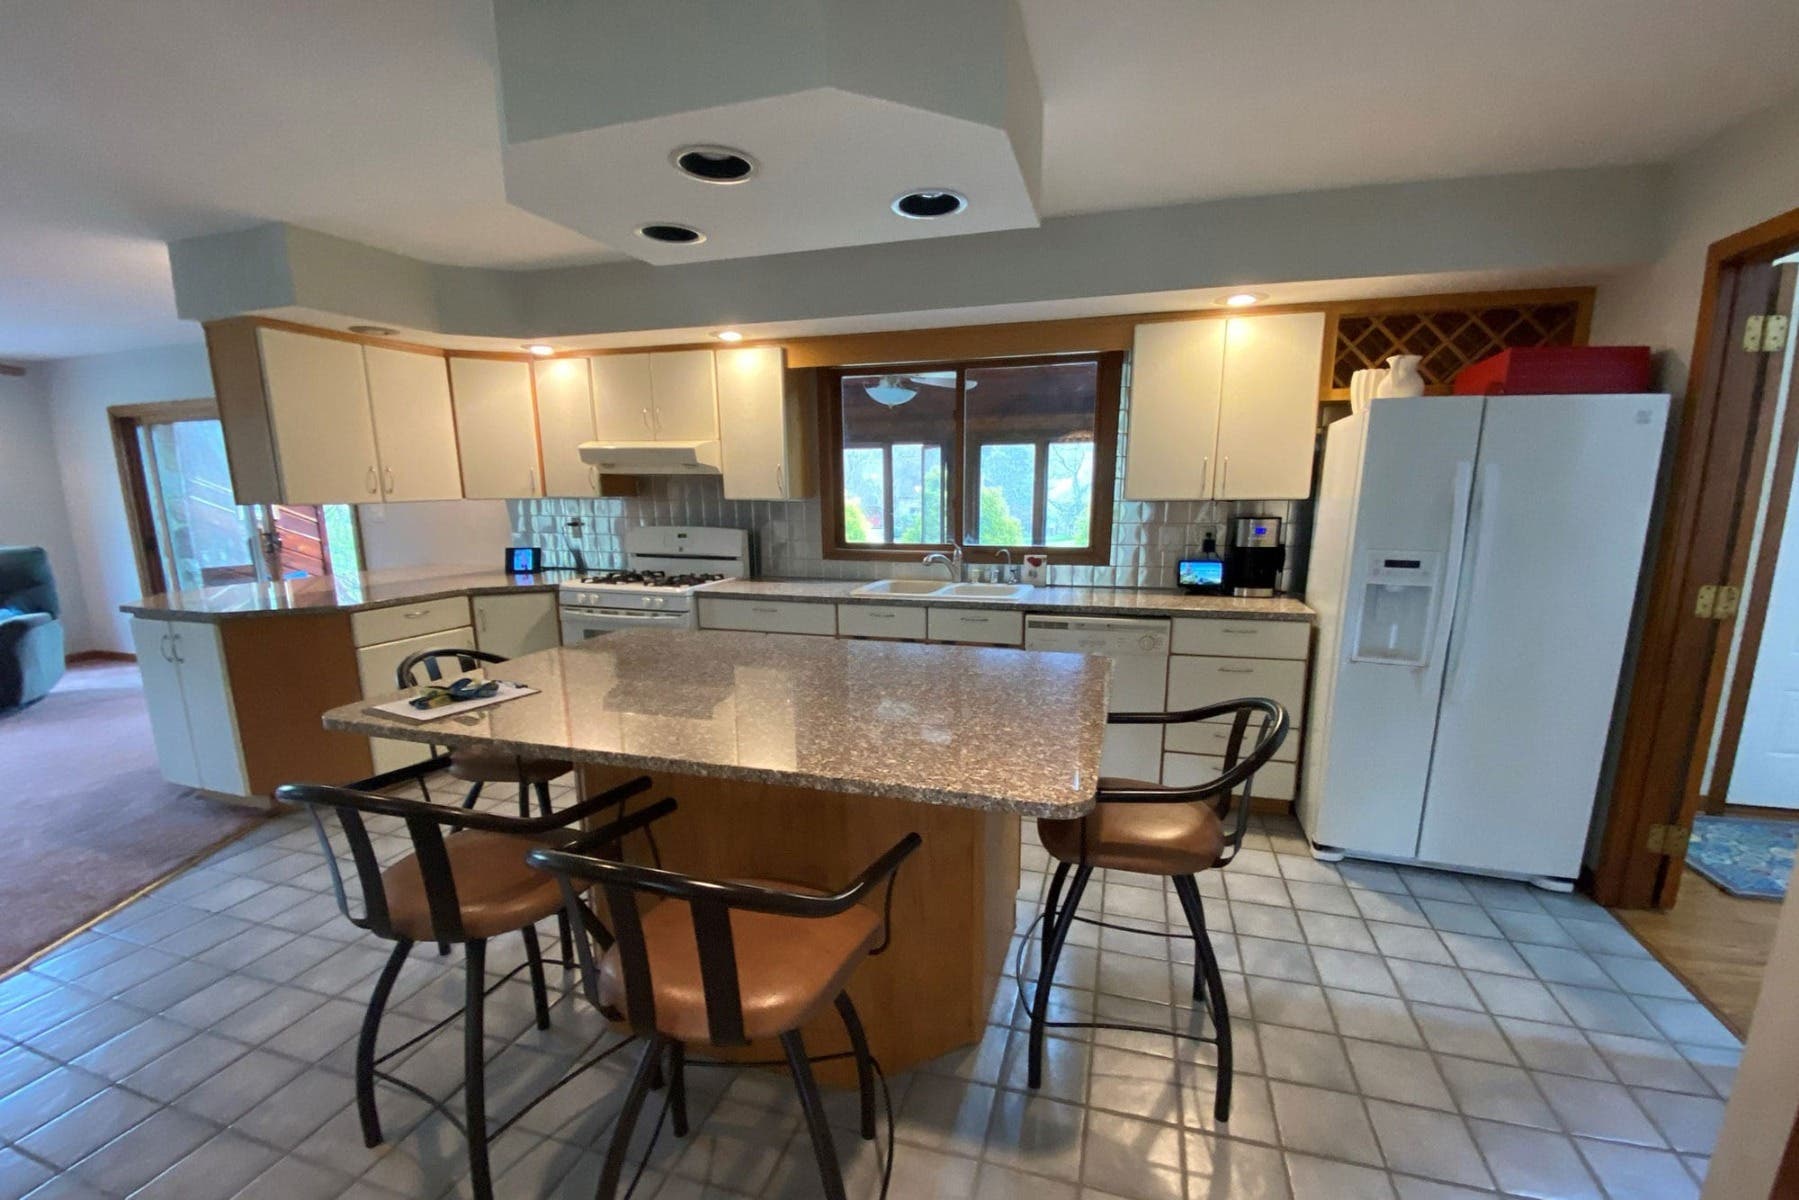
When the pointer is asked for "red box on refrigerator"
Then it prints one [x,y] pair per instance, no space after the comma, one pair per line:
[1557,371]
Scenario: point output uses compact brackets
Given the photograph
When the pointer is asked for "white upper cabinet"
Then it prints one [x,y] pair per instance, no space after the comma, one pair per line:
[1177,378]
[622,403]
[496,428]
[760,426]
[1224,409]
[685,395]
[318,413]
[415,429]
[565,419]
[1268,426]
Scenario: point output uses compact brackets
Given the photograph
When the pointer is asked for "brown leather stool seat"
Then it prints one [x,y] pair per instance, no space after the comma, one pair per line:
[1150,839]
[789,969]
[496,889]
[505,768]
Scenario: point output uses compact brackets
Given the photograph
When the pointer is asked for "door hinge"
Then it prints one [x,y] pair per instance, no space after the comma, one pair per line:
[1763,334]
[1670,840]
[1717,602]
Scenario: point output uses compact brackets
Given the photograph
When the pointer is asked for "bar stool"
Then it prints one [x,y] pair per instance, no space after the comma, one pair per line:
[1149,829]
[468,887]
[474,767]
[723,964]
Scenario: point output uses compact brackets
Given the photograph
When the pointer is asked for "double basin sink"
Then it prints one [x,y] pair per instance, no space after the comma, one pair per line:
[942,591]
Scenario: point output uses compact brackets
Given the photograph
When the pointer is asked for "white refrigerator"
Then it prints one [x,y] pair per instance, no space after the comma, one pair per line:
[1474,567]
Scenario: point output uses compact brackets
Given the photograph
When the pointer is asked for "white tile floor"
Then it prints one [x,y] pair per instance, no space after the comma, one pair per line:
[1402,1035]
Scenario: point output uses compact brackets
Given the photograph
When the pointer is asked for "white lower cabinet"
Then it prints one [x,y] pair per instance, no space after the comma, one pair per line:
[188,692]
[890,621]
[768,616]
[985,628]
[1217,660]
[513,625]
[1276,781]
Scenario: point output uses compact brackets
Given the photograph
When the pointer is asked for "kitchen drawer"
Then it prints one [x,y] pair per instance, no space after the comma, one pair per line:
[768,616]
[987,628]
[1210,737]
[1242,639]
[1193,681]
[880,621]
[1276,781]
[377,666]
[397,621]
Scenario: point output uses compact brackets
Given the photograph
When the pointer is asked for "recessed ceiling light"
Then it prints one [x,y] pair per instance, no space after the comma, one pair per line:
[728,335]
[374,330]
[1243,299]
[935,202]
[671,234]
[539,349]
[713,164]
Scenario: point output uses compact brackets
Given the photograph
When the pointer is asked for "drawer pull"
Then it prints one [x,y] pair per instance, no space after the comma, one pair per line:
[973,620]
[762,609]
[875,616]
[1236,670]
[1239,632]
[416,613]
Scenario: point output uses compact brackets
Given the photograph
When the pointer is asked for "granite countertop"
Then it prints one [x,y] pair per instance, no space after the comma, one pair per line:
[1088,600]
[336,593]
[996,729]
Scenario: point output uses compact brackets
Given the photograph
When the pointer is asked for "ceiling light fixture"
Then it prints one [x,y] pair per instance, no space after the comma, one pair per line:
[713,164]
[539,349]
[890,391]
[670,234]
[929,204]
[374,330]
[728,335]
[1243,299]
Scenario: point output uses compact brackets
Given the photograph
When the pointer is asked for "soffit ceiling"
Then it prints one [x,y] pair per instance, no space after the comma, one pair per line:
[123,126]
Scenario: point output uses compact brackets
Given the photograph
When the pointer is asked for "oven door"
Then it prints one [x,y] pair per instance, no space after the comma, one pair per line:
[580,624]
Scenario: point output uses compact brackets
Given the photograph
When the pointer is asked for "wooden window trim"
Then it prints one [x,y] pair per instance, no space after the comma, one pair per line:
[1105,464]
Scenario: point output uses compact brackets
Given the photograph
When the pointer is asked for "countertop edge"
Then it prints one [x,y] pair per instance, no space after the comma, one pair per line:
[1155,604]
[214,617]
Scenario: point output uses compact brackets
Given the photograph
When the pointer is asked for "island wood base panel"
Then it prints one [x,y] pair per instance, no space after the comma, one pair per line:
[953,904]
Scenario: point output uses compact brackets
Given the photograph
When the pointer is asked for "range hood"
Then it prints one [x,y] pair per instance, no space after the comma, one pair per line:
[653,458]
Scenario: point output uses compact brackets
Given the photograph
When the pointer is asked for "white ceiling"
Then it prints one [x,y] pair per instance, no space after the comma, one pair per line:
[125,125]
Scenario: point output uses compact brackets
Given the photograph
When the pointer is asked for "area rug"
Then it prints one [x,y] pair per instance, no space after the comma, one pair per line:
[1743,855]
[86,818]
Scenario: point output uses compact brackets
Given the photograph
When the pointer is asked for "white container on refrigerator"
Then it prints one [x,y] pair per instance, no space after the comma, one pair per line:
[1475,564]
[1139,652]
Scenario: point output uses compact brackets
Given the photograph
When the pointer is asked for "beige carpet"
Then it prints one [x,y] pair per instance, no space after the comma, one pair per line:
[86,819]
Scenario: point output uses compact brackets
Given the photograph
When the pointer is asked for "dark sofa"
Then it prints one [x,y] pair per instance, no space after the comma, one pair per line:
[31,633]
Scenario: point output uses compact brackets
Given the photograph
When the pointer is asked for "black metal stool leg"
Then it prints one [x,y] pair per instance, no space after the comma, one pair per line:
[1188,890]
[677,1088]
[1046,978]
[1049,913]
[365,1044]
[474,1069]
[627,1119]
[474,794]
[540,997]
[524,799]
[1196,924]
[865,1075]
[543,797]
[822,1147]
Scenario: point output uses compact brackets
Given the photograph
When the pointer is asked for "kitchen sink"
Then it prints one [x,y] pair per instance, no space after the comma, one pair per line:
[901,587]
[986,591]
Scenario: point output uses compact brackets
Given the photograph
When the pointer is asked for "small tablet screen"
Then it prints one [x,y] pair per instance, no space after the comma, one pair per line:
[1199,572]
[524,560]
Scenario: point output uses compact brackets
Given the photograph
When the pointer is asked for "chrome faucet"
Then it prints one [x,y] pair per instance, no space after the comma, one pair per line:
[1010,574]
[952,564]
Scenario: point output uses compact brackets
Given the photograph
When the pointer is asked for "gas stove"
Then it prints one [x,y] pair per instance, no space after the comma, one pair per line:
[664,566]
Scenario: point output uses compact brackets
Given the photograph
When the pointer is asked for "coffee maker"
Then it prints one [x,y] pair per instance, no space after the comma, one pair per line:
[1253,566]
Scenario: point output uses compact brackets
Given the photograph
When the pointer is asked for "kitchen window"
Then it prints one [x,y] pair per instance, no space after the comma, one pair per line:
[1014,453]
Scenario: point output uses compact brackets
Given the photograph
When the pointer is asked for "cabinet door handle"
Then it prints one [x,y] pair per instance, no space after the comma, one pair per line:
[175,646]
[1205,474]
[531,481]
[369,482]
[389,472]
[168,655]
[1224,478]
[780,481]
[647,423]
[481,619]
[593,476]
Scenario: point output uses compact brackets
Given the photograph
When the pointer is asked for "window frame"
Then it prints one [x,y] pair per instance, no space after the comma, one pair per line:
[1108,395]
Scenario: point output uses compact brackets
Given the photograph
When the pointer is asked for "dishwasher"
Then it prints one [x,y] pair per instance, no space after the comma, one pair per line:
[1138,649]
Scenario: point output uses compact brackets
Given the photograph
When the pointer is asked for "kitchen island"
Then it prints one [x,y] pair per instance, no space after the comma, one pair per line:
[801,759]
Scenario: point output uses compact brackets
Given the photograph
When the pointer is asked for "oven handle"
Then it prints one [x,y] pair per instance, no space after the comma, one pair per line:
[618,614]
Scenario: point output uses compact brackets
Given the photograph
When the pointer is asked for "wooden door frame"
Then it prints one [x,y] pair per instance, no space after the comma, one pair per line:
[1662,730]
[123,422]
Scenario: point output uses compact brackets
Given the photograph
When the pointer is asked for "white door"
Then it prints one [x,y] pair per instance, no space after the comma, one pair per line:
[1766,773]
[752,423]
[513,625]
[1177,373]
[1416,464]
[415,427]
[686,407]
[623,406]
[564,421]
[211,716]
[1562,494]
[1268,422]
[377,665]
[319,406]
[496,428]
[162,696]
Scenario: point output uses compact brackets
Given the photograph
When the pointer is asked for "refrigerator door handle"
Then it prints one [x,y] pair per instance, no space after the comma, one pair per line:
[1452,567]
[1485,502]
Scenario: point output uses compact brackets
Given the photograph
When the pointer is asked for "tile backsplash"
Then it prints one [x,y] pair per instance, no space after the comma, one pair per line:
[1148,536]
